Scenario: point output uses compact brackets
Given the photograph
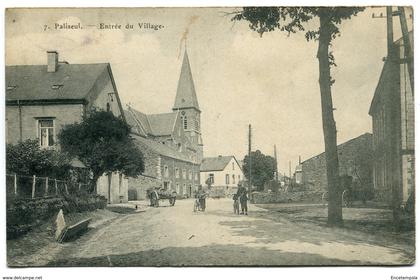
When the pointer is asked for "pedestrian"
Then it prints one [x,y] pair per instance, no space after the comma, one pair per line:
[244,202]
[201,195]
[236,204]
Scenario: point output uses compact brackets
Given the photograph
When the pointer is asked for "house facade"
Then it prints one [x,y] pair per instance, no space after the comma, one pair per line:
[392,112]
[224,173]
[355,158]
[171,143]
[41,99]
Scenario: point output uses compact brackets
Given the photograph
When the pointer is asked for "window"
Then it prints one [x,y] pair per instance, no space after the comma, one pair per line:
[184,191]
[233,178]
[233,166]
[196,176]
[58,86]
[166,171]
[46,132]
[177,189]
[197,124]
[177,172]
[227,179]
[184,173]
[190,175]
[211,176]
[185,122]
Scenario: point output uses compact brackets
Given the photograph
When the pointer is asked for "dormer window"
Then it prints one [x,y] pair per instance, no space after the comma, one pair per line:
[58,86]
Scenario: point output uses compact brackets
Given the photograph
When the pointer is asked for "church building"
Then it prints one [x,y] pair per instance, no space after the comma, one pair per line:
[171,142]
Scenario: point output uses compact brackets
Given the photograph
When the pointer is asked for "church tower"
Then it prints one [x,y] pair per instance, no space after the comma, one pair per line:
[187,104]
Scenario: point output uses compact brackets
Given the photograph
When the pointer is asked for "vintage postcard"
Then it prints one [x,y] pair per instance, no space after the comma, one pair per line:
[230,136]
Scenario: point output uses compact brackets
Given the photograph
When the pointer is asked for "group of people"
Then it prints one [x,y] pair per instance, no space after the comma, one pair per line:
[241,197]
[240,200]
[200,196]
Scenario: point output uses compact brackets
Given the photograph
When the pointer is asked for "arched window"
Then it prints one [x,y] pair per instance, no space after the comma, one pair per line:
[197,125]
[185,122]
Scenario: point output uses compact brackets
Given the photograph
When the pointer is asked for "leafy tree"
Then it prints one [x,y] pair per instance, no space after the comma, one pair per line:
[102,142]
[27,158]
[291,20]
[262,169]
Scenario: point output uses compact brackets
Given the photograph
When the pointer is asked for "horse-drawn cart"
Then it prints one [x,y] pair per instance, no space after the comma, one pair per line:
[156,195]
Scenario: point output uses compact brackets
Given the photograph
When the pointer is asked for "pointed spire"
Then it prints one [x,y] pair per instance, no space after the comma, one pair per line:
[185,94]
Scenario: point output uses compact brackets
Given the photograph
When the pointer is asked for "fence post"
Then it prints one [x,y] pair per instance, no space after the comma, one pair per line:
[33,186]
[56,187]
[15,183]
[46,186]
[67,190]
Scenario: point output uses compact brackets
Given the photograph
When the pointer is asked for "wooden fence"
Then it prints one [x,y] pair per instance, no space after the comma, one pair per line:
[22,186]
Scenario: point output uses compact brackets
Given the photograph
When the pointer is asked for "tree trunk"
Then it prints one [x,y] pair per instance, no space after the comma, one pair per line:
[335,216]
[95,183]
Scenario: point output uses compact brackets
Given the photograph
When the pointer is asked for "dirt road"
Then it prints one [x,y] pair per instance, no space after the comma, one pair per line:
[175,236]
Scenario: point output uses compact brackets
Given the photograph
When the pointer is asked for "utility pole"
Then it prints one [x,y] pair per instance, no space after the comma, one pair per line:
[390,31]
[277,169]
[408,50]
[249,159]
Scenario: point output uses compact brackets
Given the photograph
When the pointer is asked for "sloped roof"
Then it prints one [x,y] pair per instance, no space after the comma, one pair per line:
[138,119]
[162,149]
[388,78]
[367,135]
[215,163]
[162,124]
[33,82]
[185,94]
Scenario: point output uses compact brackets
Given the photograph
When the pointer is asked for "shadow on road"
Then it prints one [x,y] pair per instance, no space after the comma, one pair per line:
[213,255]
[290,228]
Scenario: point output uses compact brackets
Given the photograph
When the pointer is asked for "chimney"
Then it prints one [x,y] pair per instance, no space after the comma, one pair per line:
[52,60]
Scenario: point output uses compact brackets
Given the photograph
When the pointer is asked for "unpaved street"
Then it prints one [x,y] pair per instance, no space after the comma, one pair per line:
[175,236]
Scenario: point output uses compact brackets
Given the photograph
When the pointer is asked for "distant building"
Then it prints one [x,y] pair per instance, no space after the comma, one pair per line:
[224,172]
[171,143]
[41,99]
[392,111]
[298,174]
[354,158]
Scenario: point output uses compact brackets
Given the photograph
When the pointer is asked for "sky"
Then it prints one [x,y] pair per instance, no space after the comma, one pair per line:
[270,82]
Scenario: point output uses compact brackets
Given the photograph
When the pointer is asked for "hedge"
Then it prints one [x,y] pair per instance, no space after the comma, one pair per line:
[24,214]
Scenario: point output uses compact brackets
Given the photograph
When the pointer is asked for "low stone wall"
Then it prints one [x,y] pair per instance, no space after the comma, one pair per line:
[286,197]
[23,214]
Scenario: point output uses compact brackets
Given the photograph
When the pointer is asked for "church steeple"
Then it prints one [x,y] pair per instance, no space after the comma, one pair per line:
[186,97]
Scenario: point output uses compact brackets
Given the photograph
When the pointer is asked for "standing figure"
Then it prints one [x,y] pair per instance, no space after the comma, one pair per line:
[244,202]
[201,195]
[236,204]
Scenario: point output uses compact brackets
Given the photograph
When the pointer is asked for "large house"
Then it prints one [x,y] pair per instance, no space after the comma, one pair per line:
[222,172]
[171,142]
[392,111]
[355,158]
[41,99]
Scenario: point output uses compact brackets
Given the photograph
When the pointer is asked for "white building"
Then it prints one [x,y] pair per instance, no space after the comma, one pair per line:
[223,171]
